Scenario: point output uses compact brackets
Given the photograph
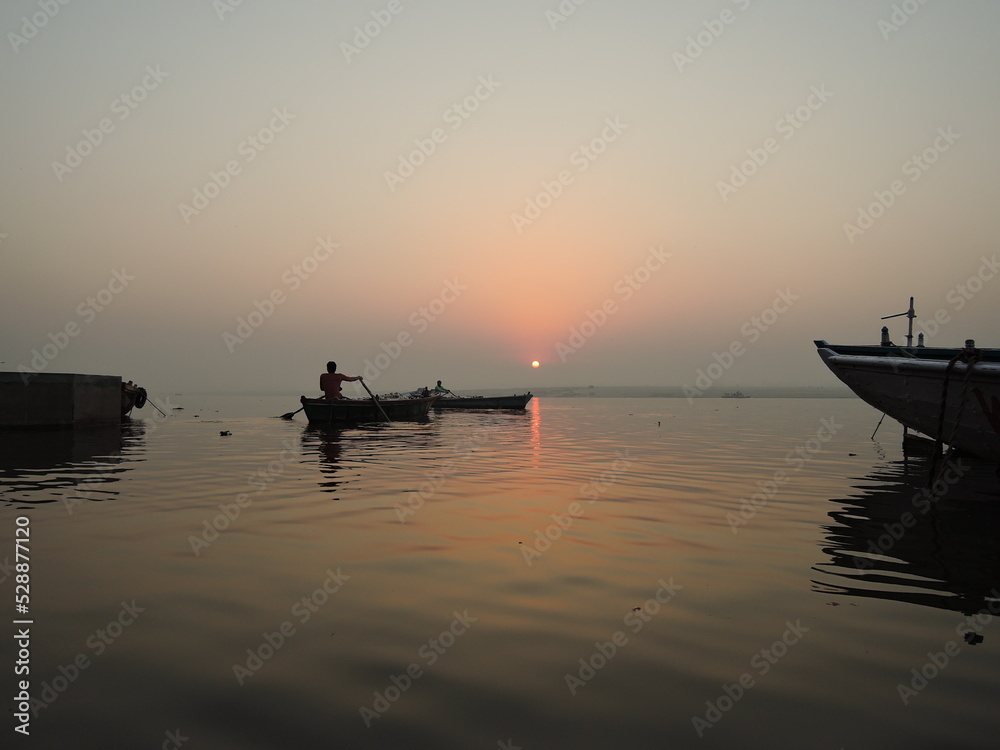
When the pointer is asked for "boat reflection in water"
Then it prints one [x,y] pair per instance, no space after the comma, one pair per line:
[67,465]
[328,444]
[899,539]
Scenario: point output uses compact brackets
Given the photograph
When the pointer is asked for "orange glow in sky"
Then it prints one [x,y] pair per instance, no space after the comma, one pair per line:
[481,204]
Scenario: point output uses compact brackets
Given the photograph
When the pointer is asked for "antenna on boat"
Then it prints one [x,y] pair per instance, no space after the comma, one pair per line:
[909,314]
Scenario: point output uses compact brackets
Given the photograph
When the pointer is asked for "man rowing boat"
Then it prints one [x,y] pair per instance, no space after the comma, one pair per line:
[329,382]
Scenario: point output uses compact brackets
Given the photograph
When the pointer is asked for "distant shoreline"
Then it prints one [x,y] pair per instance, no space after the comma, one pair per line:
[678,392]
[599,391]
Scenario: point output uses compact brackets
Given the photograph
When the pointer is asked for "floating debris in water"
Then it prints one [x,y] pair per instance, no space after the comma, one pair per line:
[224,433]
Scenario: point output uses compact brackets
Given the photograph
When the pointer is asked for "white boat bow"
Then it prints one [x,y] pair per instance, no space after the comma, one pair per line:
[912,390]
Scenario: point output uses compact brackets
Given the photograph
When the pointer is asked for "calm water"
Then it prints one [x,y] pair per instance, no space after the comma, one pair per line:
[589,574]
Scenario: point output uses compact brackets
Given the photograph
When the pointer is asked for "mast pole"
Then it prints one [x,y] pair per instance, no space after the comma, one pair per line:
[909,333]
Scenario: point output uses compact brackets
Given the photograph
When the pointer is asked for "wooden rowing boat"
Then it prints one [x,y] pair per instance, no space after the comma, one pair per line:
[358,411]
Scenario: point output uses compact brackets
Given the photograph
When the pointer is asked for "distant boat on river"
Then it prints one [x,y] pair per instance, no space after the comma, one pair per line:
[483,402]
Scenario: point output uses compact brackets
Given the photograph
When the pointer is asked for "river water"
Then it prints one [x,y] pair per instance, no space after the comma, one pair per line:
[592,573]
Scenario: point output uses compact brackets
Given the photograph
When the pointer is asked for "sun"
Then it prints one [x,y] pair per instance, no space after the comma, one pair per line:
[536,364]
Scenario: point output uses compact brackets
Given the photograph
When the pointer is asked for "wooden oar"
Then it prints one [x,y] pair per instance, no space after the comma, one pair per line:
[290,414]
[375,400]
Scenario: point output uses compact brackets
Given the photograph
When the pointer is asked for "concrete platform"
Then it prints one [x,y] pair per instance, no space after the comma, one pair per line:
[59,400]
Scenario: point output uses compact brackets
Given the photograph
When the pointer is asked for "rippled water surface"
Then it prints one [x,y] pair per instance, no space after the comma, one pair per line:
[593,573]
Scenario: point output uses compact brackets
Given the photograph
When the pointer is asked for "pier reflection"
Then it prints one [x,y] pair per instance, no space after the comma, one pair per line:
[70,465]
[898,539]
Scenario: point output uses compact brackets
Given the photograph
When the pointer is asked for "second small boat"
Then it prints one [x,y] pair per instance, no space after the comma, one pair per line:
[484,402]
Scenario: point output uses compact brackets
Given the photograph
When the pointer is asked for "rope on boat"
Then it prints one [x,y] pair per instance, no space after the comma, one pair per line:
[877,426]
[968,356]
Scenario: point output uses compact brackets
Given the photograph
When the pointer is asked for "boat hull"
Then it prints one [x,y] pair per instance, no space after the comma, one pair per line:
[133,397]
[908,352]
[359,411]
[484,402]
[909,389]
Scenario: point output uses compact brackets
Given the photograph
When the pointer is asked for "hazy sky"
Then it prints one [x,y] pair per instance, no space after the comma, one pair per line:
[200,195]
